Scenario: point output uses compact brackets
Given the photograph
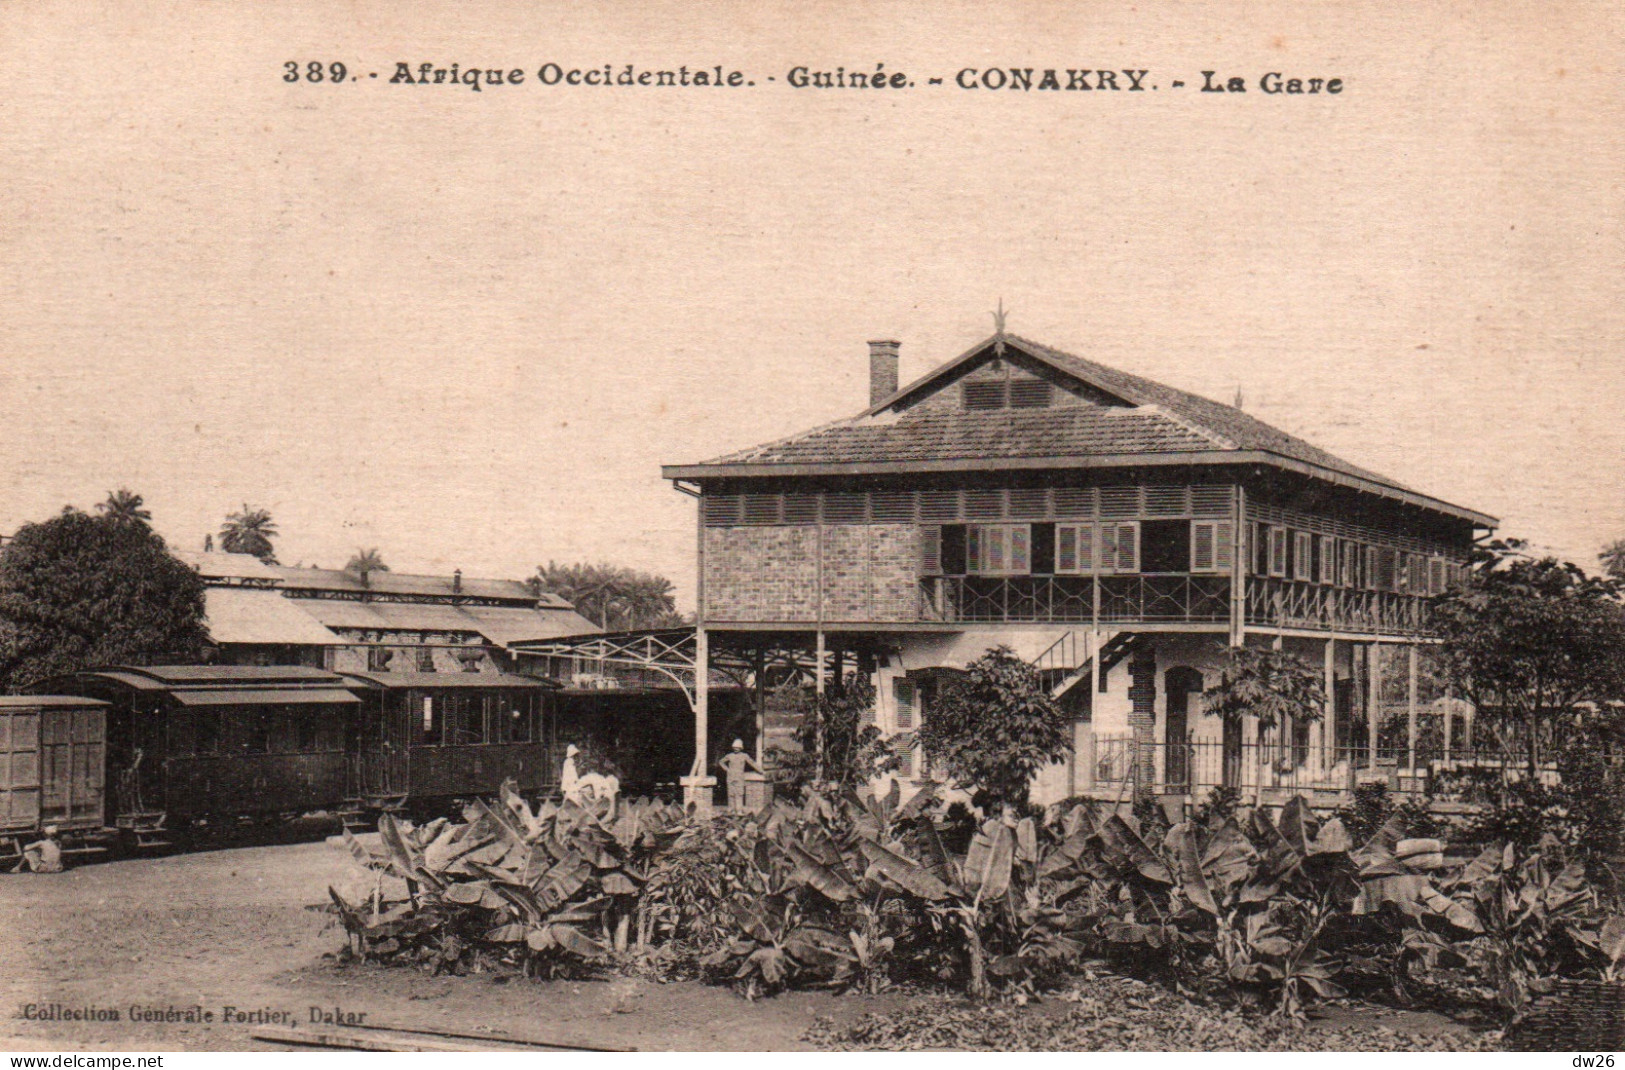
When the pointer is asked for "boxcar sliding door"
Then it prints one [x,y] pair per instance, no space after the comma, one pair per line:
[73,791]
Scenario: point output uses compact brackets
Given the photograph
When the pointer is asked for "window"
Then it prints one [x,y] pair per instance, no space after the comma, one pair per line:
[1074,548]
[905,764]
[1328,560]
[1120,547]
[1435,576]
[432,733]
[378,659]
[998,549]
[425,659]
[931,550]
[1030,394]
[903,701]
[207,731]
[1387,570]
[464,718]
[510,719]
[984,394]
[1370,573]
[1213,545]
[1303,548]
[256,727]
[307,730]
[1277,551]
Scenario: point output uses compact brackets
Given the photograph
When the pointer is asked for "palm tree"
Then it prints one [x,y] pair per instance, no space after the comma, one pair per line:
[365,563]
[249,532]
[124,506]
[1613,559]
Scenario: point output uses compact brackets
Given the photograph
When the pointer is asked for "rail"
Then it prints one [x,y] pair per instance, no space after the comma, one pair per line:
[1167,597]
[1259,769]
[1282,603]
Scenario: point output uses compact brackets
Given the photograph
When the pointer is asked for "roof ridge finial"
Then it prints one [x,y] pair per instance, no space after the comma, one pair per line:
[998,327]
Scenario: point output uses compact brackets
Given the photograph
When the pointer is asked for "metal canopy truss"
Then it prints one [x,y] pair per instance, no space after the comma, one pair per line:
[672,653]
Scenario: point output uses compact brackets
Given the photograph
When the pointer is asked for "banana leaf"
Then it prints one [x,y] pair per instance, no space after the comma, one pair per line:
[908,875]
[1181,842]
[814,873]
[989,860]
[1124,850]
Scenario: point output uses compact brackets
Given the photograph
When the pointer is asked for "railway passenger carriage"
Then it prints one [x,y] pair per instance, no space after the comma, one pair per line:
[426,738]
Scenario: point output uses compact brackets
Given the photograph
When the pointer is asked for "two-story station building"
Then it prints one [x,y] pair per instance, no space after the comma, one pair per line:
[1118,533]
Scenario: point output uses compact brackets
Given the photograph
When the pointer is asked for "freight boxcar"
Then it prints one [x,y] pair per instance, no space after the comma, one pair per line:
[427,738]
[52,771]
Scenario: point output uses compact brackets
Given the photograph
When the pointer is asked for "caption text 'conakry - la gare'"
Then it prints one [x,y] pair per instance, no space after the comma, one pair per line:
[1021,79]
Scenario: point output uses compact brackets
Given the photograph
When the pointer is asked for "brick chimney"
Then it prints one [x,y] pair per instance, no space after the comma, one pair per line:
[882,370]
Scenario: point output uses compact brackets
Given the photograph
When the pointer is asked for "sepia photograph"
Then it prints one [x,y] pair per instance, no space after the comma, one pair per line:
[852,526]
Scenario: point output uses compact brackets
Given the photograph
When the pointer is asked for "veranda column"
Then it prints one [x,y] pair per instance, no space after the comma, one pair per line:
[759,671]
[1373,691]
[1410,708]
[1142,693]
[1328,716]
[699,787]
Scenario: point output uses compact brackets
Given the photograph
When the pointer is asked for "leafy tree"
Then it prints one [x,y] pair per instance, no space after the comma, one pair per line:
[839,741]
[1612,558]
[78,590]
[1273,685]
[249,531]
[1527,640]
[126,507]
[614,597]
[364,563]
[994,726]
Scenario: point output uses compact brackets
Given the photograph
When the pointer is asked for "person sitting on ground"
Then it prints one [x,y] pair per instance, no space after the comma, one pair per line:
[580,787]
[43,855]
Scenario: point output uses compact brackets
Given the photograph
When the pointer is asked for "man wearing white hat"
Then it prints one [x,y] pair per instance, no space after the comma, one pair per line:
[734,764]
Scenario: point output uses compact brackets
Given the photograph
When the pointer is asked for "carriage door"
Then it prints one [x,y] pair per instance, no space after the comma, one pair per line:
[19,768]
[72,768]
[1178,684]
[386,731]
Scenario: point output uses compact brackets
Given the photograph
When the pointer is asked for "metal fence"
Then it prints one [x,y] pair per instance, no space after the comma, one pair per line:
[1257,769]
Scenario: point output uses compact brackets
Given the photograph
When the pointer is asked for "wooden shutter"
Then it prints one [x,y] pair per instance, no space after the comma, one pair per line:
[931,550]
[1436,576]
[1106,552]
[905,767]
[1088,552]
[1128,547]
[1277,551]
[1224,545]
[903,700]
[995,547]
[1020,560]
[1066,548]
[1303,549]
[1202,547]
[973,548]
[1328,560]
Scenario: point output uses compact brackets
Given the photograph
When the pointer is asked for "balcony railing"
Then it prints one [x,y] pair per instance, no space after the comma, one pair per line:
[1266,769]
[1071,599]
[1285,603]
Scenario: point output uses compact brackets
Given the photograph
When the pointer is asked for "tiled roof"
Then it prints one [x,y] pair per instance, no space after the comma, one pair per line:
[1157,419]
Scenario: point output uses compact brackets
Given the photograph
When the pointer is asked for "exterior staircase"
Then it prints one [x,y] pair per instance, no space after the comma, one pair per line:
[1065,663]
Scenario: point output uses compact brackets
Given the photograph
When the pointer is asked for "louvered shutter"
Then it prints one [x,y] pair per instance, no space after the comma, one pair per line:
[903,699]
[1106,552]
[1128,547]
[973,548]
[1066,548]
[1021,549]
[1201,547]
[995,544]
[1088,553]
[1277,551]
[1303,549]
[931,550]
[1328,559]
[905,766]
[1224,545]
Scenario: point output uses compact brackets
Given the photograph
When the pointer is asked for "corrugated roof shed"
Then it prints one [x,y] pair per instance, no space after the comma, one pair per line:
[246,615]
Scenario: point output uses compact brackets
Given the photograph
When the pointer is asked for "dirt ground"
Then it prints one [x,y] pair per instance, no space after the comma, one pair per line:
[237,928]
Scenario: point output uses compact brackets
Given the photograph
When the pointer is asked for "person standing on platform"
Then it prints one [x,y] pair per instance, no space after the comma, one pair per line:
[734,764]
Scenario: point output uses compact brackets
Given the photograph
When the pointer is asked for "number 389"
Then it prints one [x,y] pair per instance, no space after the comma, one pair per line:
[293,71]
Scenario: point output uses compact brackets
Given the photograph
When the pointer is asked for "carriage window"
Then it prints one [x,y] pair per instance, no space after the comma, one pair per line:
[432,725]
[510,719]
[181,734]
[465,719]
[256,727]
[307,731]
[207,731]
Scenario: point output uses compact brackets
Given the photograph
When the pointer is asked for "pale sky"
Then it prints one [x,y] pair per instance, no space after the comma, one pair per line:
[469,328]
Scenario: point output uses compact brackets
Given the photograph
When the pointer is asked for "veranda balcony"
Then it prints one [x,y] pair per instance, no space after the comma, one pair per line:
[1171,597]
[1283,603]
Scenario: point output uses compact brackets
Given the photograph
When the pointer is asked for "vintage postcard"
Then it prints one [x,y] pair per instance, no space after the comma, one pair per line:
[808,527]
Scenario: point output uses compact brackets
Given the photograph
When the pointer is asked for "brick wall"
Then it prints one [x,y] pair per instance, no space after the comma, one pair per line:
[761,573]
[870,573]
